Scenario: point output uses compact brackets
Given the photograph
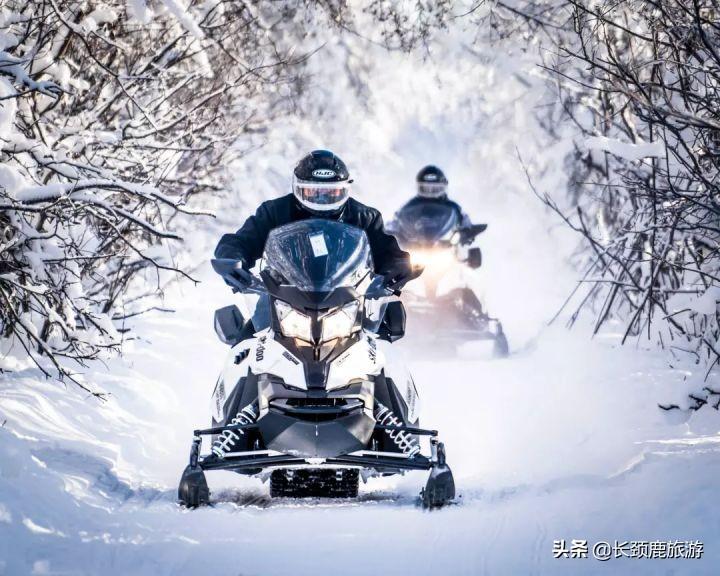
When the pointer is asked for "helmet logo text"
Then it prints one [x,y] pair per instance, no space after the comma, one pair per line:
[324,173]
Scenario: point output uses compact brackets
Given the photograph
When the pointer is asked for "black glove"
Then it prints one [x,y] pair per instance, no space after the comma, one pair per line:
[474,259]
[396,280]
[233,272]
[241,274]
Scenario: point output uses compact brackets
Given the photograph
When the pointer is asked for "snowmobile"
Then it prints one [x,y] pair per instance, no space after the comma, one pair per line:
[447,309]
[309,401]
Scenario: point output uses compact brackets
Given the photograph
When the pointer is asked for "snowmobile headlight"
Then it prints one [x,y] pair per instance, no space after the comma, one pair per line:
[293,324]
[340,323]
[436,260]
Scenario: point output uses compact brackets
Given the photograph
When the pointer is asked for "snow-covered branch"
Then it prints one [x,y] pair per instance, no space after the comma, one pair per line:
[115,118]
[640,80]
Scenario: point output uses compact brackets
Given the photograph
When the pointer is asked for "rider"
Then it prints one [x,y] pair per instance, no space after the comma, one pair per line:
[320,189]
[432,185]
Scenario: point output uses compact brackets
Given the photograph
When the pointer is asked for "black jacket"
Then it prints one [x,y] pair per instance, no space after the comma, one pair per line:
[248,243]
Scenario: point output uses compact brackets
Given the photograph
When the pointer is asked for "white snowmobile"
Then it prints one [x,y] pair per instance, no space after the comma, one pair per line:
[442,306]
[308,401]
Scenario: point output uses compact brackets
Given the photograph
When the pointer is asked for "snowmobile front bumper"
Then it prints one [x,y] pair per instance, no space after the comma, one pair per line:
[439,489]
[256,461]
[285,432]
[364,459]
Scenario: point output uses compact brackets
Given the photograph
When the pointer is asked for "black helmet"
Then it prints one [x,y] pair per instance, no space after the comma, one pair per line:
[321,182]
[431,182]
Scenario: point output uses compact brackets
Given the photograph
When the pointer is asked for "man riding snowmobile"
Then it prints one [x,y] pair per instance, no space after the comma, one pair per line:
[439,235]
[309,398]
[321,189]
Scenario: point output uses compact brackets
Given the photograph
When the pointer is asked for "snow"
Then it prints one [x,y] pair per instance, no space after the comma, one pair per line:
[563,440]
[8,107]
[627,150]
[139,10]
[35,529]
[560,441]
[14,66]
[707,303]
[183,16]
[98,17]
[10,179]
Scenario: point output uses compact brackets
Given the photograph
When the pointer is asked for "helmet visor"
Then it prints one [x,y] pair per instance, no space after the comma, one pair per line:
[321,195]
[431,189]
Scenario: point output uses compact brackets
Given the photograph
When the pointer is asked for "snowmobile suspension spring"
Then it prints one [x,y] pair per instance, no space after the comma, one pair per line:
[404,440]
[227,439]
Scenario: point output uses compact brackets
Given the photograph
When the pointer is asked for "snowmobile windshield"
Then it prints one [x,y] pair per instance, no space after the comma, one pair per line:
[427,222]
[319,255]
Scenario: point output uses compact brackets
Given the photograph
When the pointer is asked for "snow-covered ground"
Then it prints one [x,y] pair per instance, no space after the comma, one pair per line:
[563,440]
[560,441]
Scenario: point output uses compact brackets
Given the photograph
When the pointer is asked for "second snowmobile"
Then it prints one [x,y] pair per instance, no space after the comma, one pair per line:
[446,308]
[309,401]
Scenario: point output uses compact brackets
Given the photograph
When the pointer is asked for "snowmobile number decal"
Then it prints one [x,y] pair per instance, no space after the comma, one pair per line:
[260,350]
[317,242]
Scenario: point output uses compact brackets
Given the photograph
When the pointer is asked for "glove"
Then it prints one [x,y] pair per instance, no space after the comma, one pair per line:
[396,280]
[233,272]
[241,274]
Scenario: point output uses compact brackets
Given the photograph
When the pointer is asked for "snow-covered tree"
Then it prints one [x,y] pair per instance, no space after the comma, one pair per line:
[114,117]
[653,119]
[640,81]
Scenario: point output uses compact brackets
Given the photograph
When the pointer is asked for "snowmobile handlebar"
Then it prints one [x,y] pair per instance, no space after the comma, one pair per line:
[469,233]
[237,277]
[379,289]
[384,286]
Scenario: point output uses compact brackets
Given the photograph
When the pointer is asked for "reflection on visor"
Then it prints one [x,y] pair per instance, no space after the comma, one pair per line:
[432,190]
[318,195]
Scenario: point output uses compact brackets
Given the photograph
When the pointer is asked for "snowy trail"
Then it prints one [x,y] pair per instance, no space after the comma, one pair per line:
[559,441]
